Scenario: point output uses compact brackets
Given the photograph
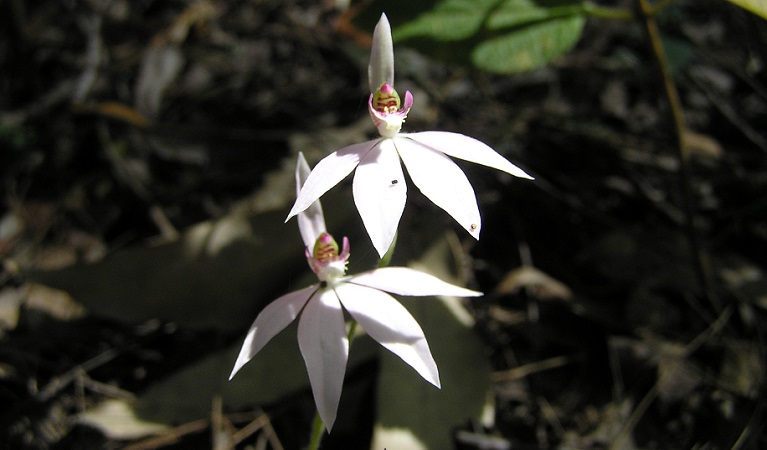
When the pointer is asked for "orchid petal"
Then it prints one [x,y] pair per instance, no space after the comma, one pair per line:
[311,222]
[380,192]
[381,66]
[390,323]
[441,181]
[329,172]
[466,148]
[325,348]
[273,318]
[406,281]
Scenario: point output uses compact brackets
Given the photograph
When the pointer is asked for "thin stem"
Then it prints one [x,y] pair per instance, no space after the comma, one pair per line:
[647,12]
[318,429]
[602,12]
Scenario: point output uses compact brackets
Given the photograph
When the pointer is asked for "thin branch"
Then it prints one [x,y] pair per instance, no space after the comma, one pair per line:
[647,13]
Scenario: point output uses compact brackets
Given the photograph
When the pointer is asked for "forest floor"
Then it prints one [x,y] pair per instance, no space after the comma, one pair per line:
[146,156]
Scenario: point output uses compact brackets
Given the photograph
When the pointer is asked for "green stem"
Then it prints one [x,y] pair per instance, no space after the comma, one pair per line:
[601,12]
[647,12]
[318,429]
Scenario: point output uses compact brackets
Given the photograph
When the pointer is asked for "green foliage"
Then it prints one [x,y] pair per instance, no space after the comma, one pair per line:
[503,36]
[758,7]
[407,405]
[530,47]
[450,20]
[406,402]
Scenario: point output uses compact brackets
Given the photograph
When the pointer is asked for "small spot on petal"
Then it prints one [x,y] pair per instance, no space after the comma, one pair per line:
[393,182]
[473,227]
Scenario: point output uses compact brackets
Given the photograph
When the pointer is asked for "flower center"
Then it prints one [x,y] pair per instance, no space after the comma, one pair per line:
[325,249]
[386,99]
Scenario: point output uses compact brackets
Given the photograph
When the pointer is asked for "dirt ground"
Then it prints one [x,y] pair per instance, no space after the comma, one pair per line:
[147,150]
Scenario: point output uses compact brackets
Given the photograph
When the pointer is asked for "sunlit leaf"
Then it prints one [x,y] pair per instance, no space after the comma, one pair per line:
[516,12]
[405,401]
[758,7]
[540,284]
[499,36]
[413,413]
[273,375]
[450,20]
[216,275]
[530,47]
[117,420]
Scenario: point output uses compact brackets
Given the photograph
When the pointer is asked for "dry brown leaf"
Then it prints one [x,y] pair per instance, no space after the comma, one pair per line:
[117,420]
[10,302]
[53,301]
[701,145]
[534,281]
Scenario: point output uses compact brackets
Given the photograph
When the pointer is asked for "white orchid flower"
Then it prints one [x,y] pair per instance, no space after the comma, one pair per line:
[379,186]
[322,334]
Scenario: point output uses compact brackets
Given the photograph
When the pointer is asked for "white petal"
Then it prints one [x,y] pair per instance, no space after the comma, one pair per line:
[466,148]
[442,181]
[273,318]
[325,348]
[311,222]
[390,323]
[380,193]
[406,281]
[381,66]
[329,172]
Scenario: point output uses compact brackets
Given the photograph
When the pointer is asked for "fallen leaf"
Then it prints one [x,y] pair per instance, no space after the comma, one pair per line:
[116,419]
[536,282]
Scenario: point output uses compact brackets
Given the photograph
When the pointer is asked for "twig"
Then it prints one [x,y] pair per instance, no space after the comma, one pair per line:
[527,369]
[732,115]
[171,436]
[62,381]
[260,422]
[620,439]
[647,14]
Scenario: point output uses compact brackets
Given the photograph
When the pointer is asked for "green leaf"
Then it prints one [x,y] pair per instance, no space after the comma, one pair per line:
[451,20]
[217,275]
[274,374]
[504,36]
[530,47]
[405,401]
[758,7]
[517,12]
[412,413]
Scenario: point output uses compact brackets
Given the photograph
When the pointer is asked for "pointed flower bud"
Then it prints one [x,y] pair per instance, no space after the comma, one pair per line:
[325,260]
[387,111]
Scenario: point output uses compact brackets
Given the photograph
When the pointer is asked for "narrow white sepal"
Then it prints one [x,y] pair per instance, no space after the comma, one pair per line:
[441,181]
[311,222]
[380,193]
[273,318]
[328,173]
[325,348]
[390,324]
[466,148]
[406,281]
